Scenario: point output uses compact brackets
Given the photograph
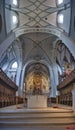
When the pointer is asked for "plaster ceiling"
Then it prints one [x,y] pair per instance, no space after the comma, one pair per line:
[37,47]
[36,14]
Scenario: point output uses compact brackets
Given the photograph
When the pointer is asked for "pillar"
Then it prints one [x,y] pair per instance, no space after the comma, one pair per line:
[57,94]
[24,91]
[16,99]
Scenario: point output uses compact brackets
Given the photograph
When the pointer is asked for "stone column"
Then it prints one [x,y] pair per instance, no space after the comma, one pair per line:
[73,97]
[57,94]
[16,99]
[24,91]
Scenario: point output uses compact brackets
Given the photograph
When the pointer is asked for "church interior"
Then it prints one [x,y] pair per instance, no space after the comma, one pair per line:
[37,64]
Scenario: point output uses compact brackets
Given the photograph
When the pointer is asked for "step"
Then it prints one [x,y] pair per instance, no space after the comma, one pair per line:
[32,117]
[44,115]
[38,123]
[31,111]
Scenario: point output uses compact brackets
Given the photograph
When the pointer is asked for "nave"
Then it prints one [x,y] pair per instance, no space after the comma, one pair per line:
[37,64]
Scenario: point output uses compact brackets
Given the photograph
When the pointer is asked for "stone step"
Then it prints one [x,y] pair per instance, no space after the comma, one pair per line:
[57,120]
[41,115]
[38,122]
[36,117]
[33,111]
[36,114]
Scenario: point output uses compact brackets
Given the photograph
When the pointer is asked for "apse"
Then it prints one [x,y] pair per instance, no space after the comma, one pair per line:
[37,76]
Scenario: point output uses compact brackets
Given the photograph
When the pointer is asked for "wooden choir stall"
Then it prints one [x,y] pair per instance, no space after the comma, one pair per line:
[7,90]
[65,88]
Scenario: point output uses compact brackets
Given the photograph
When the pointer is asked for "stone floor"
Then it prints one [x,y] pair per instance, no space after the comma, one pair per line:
[42,128]
[51,108]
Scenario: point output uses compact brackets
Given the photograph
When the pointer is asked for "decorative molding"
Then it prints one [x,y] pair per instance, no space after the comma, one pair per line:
[24,30]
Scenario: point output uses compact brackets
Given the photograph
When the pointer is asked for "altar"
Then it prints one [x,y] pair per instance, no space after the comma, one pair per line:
[36,91]
[37,101]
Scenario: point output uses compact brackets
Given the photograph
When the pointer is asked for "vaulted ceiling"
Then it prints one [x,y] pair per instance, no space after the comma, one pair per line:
[36,27]
[37,46]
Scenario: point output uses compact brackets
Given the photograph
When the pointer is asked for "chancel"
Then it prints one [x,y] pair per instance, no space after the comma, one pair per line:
[37,64]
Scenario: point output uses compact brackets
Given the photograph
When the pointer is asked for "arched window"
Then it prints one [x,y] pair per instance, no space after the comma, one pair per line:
[12,71]
[60,18]
[14,65]
[15,2]
[59,2]
[14,19]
